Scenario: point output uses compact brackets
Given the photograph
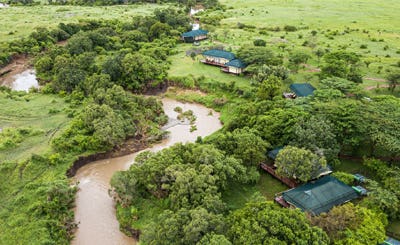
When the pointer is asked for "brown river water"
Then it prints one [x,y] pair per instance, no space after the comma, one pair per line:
[95,209]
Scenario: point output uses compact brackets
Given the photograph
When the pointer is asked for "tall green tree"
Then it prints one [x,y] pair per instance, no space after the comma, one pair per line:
[298,163]
[269,88]
[317,135]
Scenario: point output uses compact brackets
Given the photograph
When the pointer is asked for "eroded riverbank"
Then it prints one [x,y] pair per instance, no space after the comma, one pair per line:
[95,211]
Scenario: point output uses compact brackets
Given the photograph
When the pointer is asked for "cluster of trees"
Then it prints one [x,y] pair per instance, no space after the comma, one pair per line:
[108,118]
[190,179]
[352,224]
[133,54]
[187,3]
[100,59]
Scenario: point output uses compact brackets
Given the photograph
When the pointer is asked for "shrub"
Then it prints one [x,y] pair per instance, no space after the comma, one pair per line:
[289,28]
[259,42]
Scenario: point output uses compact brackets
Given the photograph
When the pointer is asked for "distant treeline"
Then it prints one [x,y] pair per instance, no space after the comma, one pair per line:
[188,3]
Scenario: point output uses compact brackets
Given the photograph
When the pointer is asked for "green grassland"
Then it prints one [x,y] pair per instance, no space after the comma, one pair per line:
[20,21]
[44,115]
[339,25]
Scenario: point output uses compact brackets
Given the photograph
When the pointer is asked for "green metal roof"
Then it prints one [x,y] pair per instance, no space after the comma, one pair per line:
[236,63]
[195,33]
[220,54]
[320,195]
[272,154]
[391,241]
[302,89]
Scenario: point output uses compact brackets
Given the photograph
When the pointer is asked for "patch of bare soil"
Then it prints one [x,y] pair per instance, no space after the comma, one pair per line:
[375,79]
[17,66]
[375,87]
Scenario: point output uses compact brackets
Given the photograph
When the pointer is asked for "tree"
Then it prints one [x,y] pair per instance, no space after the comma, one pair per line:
[276,126]
[298,58]
[338,220]
[394,79]
[257,56]
[269,88]
[342,64]
[79,43]
[319,53]
[371,230]
[159,29]
[267,223]
[139,69]
[298,163]
[263,72]
[183,227]
[343,85]
[243,144]
[214,239]
[317,135]
[382,200]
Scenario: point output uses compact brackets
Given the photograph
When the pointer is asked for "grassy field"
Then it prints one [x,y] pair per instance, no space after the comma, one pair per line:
[183,65]
[19,21]
[344,25]
[238,195]
[44,115]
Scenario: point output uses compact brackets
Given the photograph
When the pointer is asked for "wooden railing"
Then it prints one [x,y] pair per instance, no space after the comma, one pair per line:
[289,182]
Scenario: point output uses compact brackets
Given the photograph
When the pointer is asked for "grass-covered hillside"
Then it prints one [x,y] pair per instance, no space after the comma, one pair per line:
[28,123]
[368,28]
[20,21]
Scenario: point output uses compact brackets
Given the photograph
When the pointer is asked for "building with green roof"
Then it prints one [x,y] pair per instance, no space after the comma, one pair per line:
[391,241]
[224,59]
[234,66]
[194,36]
[302,89]
[320,196]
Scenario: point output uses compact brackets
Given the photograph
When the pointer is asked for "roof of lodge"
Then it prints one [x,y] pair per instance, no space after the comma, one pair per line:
[391,241]
[302,89]
[195,33]
[320,195]
[274,153]
[236,63]
[220,54]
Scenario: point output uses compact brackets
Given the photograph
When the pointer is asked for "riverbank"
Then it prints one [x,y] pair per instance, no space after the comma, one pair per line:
[97,223]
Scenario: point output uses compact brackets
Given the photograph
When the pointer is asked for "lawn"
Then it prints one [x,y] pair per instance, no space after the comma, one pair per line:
[238,195]
[45,115]
[183,65]
[19,21]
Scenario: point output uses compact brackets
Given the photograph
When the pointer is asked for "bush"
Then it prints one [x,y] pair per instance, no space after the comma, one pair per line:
[289,28]
[259,42]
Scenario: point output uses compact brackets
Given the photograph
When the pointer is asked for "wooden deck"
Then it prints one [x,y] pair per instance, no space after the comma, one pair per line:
[289,182]
[281,201]
[212,63]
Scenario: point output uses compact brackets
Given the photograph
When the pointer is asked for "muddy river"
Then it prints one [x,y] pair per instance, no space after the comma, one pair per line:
[21,81]
[95,211]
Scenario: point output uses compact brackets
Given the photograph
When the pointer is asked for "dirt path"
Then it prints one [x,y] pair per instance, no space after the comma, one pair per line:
[374,87]
[375,79]
[17,66]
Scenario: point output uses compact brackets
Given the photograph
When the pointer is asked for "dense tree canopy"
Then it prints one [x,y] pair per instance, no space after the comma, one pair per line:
[267,223]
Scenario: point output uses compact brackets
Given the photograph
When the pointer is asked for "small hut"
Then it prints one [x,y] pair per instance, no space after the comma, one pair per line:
[302,89]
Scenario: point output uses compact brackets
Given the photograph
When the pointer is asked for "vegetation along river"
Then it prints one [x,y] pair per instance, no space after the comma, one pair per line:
[95,211]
